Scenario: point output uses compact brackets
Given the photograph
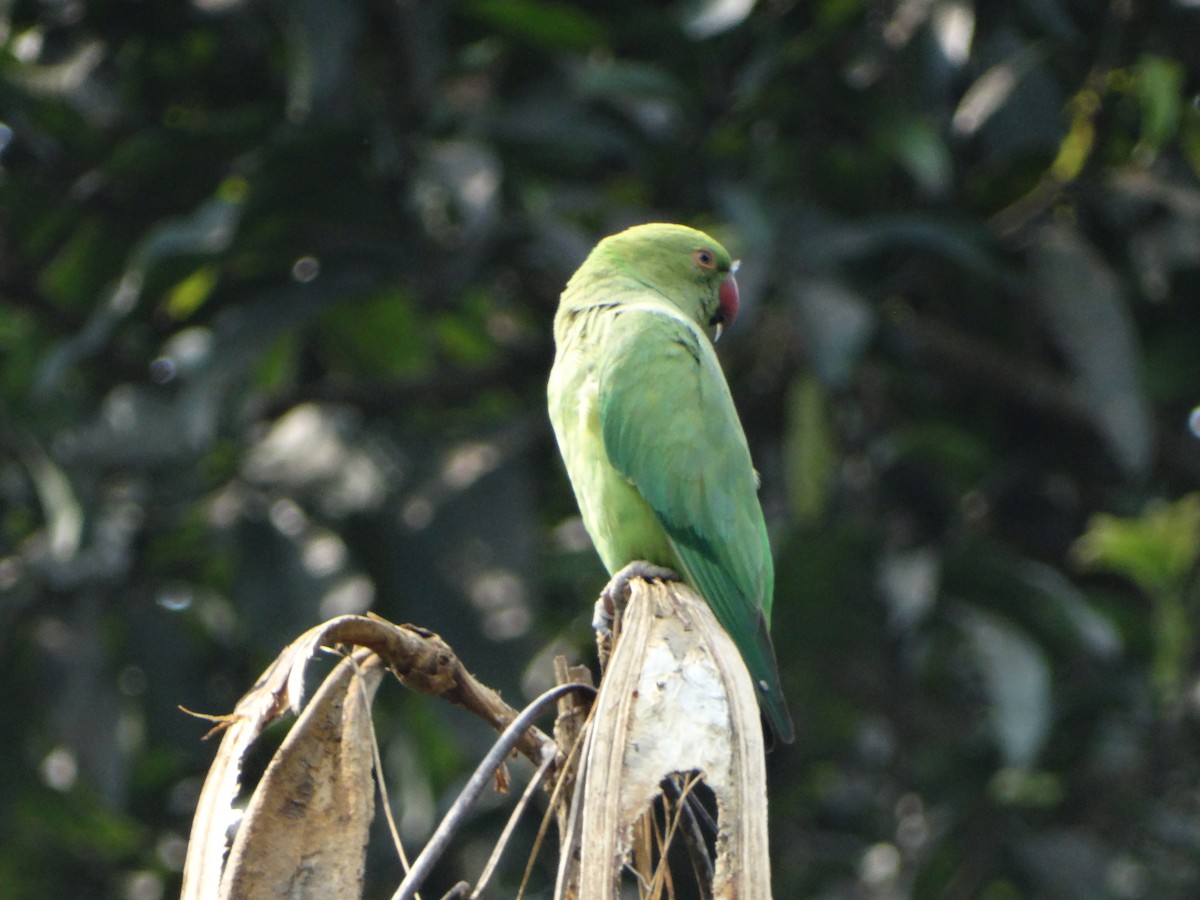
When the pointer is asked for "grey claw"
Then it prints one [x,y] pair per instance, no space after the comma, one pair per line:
[602,617]
[617,589]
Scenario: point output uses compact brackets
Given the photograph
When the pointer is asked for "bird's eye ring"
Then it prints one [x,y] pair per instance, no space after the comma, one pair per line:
[705,259]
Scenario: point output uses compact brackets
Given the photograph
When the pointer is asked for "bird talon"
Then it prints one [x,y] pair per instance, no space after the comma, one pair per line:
[616,592]
[602,617]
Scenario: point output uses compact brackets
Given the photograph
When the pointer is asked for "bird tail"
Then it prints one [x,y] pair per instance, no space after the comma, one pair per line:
[765,672]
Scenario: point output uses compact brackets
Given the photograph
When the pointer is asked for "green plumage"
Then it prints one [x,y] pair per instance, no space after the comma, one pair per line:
[650,436]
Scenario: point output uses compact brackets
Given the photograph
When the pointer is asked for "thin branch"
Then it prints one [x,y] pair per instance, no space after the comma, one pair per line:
[568,764]
[530,789]
[662,873]
[695,820]
[475,786]
[428,665]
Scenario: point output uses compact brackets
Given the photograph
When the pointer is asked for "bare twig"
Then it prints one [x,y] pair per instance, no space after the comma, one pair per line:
[479,780]
[695,820]
[662,872]
[572,718]
[428,665]
[567,765]
[534,783]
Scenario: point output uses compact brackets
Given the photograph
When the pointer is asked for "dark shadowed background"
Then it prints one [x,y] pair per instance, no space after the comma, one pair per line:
[276,285]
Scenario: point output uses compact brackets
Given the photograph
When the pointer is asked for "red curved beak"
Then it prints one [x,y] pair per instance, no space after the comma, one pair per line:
[730,301]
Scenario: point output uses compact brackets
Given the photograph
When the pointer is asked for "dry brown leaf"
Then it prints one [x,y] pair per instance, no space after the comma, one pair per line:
[419,658]
[304,833]
[676,698]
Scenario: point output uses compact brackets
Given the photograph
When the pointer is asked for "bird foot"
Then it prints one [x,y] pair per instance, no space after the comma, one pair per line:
[602,619]
[617,590]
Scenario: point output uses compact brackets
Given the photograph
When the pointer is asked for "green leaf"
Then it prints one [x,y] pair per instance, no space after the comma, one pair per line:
[1095,631]
[553,26]
[918,146]
[1156,549]
[189,295]
[1085,310]
[463,334]
[74,277]
[810,449]
[382,335]
[205,231]
[959,454]
[1159,83]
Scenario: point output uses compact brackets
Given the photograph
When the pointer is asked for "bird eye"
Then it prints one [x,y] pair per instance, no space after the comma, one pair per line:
[705,259]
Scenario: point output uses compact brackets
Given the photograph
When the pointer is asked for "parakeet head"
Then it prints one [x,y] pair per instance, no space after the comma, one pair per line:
[686,266]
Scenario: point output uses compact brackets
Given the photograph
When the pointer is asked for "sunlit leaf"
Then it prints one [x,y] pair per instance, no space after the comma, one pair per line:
[992,90]
[711,17]
[1026,787]
[311,450]
[206,230]
[1016,679]
[953,27]
[836,324]
[1159,83]
[1015,106]
[1158,550]
[322,38]
[460,185]
[188,295]
[909,582]
[1076,145]
[60,506]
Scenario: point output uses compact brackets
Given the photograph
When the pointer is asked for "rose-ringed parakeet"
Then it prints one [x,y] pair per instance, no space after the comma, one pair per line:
[651,440]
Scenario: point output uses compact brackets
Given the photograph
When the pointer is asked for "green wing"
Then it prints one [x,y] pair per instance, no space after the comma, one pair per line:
[670,427]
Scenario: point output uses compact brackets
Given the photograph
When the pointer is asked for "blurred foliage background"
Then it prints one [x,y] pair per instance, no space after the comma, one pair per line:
[276,283]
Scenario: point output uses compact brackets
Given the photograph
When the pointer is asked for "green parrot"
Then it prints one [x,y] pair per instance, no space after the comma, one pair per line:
[651,440]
